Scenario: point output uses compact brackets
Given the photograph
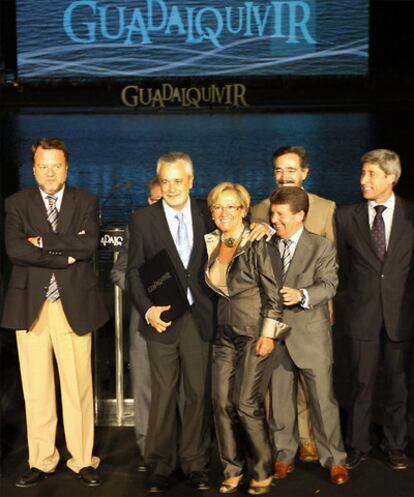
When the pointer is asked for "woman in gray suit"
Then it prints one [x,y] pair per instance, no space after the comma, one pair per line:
[242,272]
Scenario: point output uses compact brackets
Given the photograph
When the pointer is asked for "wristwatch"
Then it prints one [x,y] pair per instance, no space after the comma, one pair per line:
[302,300]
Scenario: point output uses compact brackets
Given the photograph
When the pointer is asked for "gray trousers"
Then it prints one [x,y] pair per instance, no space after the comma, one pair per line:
[323,409]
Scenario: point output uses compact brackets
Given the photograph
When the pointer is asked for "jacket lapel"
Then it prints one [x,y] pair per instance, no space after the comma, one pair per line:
[300,258]
[39,212]
[398,228]
[361,222]
[67,210]
[166,239]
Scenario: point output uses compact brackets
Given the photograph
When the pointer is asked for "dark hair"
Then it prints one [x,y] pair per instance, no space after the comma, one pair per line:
[154,181]
[295,197]
[50,144]
[292,149]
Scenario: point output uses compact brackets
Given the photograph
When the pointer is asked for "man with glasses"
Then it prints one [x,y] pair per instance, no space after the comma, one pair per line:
[291,168]
[53,303]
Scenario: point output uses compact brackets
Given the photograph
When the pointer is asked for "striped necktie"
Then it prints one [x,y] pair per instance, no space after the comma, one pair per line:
[286,256]
[52,293]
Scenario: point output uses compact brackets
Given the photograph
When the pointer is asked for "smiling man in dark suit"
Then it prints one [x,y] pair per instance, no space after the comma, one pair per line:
[376,256]
[52,301]
[178,224]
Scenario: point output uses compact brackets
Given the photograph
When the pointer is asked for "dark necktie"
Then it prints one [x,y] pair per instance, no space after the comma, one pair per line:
[52,293]
[378,232]
[286,256]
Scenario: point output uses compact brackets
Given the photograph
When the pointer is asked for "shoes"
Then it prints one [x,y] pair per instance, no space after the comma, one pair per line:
[308,452]
[354,458]
[230,485]
[157,484]
[282,469]
[31,477]
[199,480]
[398,460]
[339,474]
[260,487]
[89,476]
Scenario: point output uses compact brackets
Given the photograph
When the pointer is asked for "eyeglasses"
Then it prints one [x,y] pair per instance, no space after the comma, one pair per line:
[229,208]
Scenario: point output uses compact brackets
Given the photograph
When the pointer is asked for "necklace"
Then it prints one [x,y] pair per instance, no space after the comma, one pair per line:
[231,241]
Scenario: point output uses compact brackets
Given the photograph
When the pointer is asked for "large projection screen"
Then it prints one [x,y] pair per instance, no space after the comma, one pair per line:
[188,38]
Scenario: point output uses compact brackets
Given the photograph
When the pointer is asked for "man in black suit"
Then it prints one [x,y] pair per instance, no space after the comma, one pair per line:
[376,256]
[183,346]
[53,303]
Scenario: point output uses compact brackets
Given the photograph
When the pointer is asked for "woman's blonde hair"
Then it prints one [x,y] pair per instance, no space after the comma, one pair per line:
[240,191]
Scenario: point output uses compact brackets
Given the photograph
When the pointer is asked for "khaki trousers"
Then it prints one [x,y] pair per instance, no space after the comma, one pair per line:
[52,334]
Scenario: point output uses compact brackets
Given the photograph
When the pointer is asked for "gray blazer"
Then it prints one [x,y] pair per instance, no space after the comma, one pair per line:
[313,268]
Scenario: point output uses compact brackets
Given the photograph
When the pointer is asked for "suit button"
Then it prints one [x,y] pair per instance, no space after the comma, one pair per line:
[382,275]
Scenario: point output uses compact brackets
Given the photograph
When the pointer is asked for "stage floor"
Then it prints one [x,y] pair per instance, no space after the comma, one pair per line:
[116,447]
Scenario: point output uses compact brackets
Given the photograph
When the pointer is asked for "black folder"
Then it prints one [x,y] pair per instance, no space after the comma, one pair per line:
[163,287]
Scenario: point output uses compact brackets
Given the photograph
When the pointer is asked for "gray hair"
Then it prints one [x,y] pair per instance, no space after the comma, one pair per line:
[171,157]
[387,160]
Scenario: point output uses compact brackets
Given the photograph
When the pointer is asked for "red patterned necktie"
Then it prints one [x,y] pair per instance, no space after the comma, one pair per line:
[378,232]
[52,293]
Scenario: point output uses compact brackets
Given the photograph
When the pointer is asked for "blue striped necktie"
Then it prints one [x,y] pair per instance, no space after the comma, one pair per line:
[52,293]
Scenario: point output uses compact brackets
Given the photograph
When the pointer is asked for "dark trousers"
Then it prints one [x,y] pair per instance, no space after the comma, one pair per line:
[239,382]
[365,360]
[189,357]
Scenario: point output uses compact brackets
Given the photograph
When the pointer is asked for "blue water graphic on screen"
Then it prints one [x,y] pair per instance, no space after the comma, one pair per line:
[166,38]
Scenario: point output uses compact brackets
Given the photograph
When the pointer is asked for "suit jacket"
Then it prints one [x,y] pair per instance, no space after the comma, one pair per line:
[253,305]
[377,293]
[313,268]
[118,276]
[149,233]
[33,267]
[320,219]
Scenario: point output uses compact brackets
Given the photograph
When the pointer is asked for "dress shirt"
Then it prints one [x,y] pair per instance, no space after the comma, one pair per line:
[294,239]
[172,221]
[58,195]
[387,215]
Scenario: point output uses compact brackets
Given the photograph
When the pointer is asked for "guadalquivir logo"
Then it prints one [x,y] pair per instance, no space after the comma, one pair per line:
[139,21]
[195,96]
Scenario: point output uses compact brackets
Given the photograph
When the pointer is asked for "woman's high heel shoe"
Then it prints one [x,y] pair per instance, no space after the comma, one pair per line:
[260,487]
[230,485]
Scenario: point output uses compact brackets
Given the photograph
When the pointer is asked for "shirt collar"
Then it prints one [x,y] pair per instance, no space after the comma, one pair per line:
[58,195]
[170,212]
[389,203]
[295,237]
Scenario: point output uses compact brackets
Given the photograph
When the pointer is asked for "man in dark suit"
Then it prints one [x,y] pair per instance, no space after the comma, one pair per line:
[376,256]
[138,354]
[309,280]
[177,224]
[53,303]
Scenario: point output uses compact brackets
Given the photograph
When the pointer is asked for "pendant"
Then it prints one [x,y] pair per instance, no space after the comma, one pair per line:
[229,242]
